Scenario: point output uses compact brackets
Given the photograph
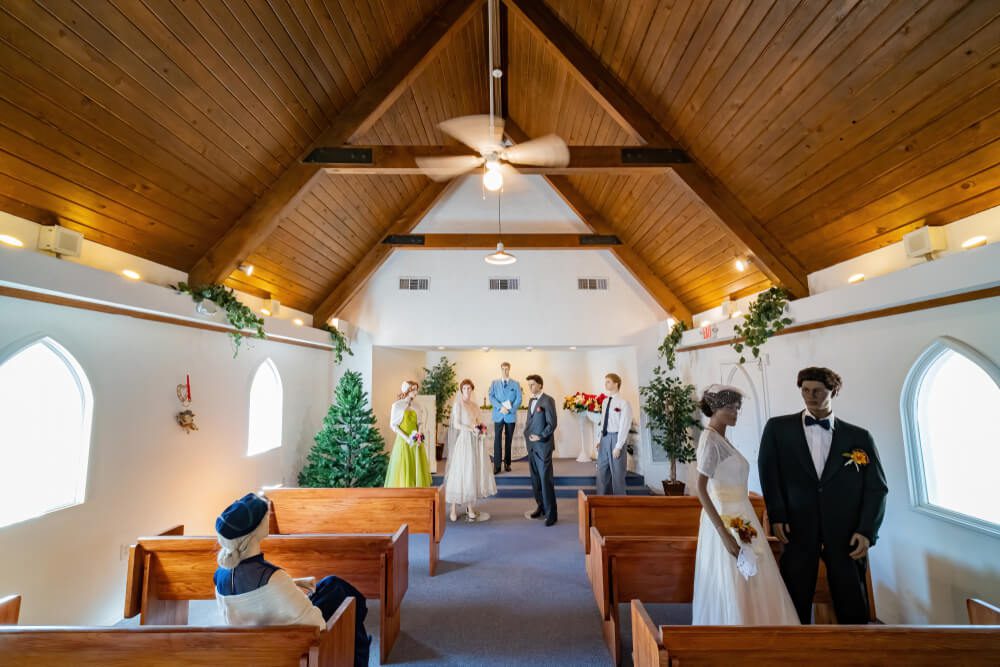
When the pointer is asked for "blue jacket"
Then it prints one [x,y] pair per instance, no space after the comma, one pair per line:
[499,394]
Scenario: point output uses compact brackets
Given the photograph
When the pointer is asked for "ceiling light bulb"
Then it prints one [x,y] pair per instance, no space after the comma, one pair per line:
[265,311]
[441,347]
[856,278]
[11,240]
[974,242]
[492,179]
[246,268]
[297,321]
[501,257]
[130,274]
[741,265]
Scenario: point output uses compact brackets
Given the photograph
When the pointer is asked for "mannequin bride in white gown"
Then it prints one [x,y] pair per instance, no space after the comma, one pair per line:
[469,475]
[736,580]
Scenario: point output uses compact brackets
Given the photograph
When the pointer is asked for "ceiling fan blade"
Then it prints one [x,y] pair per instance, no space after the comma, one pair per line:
[474,131]
[547,151]
[448,167]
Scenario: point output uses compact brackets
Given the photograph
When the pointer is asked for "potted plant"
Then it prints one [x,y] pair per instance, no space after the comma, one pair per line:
[440,380]
[670,406]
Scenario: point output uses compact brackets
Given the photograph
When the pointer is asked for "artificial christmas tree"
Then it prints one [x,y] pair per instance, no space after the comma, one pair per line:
[349,450]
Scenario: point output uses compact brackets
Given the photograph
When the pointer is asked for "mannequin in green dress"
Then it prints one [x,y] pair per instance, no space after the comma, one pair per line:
[408,465]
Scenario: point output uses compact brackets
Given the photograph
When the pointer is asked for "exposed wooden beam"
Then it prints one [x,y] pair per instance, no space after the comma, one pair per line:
[263,216]
[510,241]
[612,95]
[395,160]
[334,302]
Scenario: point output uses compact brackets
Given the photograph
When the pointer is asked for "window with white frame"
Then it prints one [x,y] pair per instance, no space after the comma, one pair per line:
[46,407]
[266,404]
[949,405]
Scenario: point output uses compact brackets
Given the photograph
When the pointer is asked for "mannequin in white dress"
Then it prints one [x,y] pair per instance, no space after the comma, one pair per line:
[469,475]
[723,595]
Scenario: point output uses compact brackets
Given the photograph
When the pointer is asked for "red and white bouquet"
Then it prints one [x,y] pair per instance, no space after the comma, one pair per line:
[481,429]
[583,402]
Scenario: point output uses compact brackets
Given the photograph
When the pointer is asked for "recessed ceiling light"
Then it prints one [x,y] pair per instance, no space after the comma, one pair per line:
[130,274]
[741,264]
[856,278]
[572,347]
[11,240]
[736,313]
[974,242]
[485,349]
[297,321]
[440,347]
[529,348]
[265,311]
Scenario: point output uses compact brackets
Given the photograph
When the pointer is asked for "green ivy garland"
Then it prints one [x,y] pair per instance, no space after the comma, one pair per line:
[668,348]
[765,317]
[340,344]
[238,314]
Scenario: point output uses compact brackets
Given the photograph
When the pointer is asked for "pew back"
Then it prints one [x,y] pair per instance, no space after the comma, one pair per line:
[166,646]
[712,646]
[377,510]
[10,609]
[660,516]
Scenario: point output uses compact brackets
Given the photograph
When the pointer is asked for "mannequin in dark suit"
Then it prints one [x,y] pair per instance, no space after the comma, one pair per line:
[825,492]
[539,431]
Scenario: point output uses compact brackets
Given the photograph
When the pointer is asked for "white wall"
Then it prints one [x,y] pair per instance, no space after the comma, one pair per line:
[145,474]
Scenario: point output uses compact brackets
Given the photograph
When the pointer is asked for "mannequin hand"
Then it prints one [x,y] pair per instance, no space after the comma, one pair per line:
[781,531]
[533,438]
[617,453]
[860,544]
[732,546]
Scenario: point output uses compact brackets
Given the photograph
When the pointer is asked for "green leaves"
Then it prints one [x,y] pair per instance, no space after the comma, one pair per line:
[765,317]
[238,314]
[670,407]
[340,343]
[349,449]
[440,381]
[670,342]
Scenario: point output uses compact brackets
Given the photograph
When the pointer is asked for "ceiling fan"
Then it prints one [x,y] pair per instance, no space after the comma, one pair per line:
[484,134]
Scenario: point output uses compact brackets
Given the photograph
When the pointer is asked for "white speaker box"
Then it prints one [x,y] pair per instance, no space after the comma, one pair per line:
[60,240]
[925,241]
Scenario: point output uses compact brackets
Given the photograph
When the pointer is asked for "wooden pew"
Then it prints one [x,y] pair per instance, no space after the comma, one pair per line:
[10,609]
[982,612]
[302,510]
[170,571]
[167,646]
[723,646]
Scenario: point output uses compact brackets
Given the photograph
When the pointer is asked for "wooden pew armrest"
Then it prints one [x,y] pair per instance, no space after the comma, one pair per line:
[982,612]
[399,568]
[646,639]
[599,567]
[336,642]
[584,520]
[10,609]
[440,514]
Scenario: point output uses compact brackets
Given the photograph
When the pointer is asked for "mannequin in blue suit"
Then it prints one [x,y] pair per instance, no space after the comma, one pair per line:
[504,390]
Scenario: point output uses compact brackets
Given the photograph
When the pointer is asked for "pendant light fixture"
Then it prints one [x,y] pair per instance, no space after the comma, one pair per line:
[501,257]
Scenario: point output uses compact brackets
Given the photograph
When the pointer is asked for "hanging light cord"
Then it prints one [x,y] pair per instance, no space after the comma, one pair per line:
[489,72]
[499,228]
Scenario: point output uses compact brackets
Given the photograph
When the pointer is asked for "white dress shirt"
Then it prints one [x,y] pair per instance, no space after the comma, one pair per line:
[819,441]
[619,421]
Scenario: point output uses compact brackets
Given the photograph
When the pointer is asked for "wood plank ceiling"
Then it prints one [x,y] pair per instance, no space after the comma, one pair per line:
[840,124]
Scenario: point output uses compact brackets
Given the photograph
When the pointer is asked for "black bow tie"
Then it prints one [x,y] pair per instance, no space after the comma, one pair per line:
[822,423]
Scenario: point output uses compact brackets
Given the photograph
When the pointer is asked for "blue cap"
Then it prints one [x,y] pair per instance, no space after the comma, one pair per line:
[242,517]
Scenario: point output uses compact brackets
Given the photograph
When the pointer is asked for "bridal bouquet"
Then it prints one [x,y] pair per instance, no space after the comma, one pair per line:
[744,532]
[582,402]
[417,438]
[481,429]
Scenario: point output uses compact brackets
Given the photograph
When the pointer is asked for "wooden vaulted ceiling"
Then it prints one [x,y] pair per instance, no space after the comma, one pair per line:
[821,129]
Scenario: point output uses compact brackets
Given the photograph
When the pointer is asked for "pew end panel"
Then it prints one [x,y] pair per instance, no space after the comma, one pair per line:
[336,643]
[982,612]
[440,511]
[10,609]
[647,643]
[583,520]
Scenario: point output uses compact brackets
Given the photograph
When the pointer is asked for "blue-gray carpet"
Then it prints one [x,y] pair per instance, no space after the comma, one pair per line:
[508,592]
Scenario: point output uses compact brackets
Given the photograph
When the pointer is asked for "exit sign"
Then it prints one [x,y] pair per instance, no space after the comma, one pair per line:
[708,332]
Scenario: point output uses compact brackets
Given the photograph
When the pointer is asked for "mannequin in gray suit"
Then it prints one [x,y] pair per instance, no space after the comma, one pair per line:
[539,431]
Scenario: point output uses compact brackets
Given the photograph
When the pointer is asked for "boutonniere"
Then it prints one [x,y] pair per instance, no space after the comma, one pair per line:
[856,456]
[618,409]
[538,409]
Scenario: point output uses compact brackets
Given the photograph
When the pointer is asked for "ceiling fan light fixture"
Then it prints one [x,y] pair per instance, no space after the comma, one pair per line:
[501,257]
[492,178]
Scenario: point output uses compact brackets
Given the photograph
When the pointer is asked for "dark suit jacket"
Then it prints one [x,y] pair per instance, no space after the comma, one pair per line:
[542,421]
[824,509]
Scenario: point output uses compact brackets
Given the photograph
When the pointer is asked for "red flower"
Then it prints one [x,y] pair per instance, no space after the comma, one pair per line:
[618,409]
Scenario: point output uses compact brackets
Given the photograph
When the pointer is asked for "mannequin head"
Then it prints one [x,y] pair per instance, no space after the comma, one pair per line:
[535,384]
[409,389]
[612,383]
[505,370]
[467,388]
[819,386]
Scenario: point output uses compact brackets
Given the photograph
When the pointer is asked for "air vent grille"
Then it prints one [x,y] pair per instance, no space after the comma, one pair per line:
[592,283]
[414,284]
[505,284]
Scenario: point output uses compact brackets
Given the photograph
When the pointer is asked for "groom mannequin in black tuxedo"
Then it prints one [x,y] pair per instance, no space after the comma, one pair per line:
[821,503]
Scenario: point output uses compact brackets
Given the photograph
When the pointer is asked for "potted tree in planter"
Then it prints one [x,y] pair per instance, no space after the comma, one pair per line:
[441,382]
[670,407]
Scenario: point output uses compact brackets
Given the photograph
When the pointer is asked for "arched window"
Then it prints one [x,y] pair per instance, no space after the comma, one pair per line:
[950,404]
[266,403]
[46,407]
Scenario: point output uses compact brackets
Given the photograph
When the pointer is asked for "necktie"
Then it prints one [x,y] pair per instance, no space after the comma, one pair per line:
[504,384]
[607,415]
[822,423]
